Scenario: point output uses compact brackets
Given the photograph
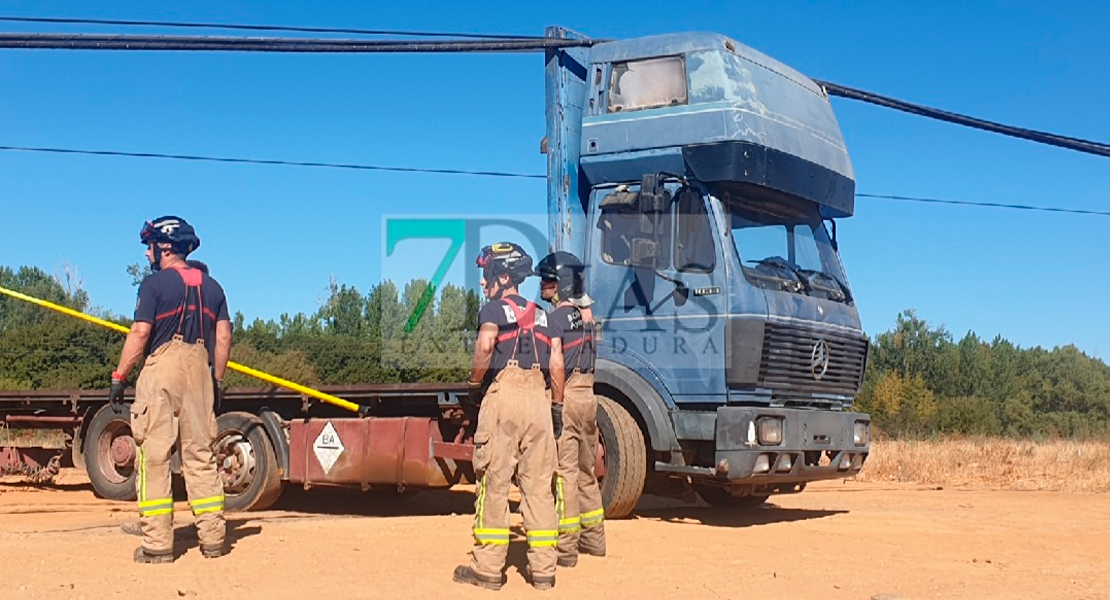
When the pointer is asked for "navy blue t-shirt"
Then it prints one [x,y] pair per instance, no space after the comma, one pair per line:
[164,304]
[527,349]
[579,343]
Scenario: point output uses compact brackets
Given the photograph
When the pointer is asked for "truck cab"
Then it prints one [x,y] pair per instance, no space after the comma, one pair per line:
[700,181]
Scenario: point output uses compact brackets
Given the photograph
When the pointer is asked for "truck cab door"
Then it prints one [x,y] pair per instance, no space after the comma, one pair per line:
[668,319]
[699,314]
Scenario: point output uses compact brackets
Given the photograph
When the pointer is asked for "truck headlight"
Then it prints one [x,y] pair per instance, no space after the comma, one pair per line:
[770,431]
[861,433]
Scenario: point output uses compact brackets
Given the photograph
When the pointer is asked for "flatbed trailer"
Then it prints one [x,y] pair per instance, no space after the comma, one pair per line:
[409,437]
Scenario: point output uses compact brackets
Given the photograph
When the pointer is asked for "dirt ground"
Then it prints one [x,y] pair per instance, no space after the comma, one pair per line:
[835,540]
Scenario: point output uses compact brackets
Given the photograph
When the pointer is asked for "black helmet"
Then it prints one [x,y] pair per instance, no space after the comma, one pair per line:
[505,257]
[171,230]
[567,271]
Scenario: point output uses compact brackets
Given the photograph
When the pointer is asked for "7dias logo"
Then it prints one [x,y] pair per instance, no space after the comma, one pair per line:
[419,247]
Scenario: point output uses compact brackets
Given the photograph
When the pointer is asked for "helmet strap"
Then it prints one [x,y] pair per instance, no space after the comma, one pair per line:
[490,283]
[156,252]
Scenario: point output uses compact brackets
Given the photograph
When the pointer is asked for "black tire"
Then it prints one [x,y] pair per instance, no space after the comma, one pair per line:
[720,498]
[625,459]
[77,447]
[247,464]
[109,480]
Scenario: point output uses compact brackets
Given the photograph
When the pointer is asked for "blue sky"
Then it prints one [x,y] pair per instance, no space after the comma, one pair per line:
[275,235]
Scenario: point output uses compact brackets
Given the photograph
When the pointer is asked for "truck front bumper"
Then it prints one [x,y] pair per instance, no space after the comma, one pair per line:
[810,445]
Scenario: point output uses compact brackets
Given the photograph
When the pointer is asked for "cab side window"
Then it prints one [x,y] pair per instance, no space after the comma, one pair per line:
[619,228]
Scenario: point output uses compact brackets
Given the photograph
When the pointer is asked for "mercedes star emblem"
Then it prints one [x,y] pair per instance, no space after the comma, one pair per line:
[819,359]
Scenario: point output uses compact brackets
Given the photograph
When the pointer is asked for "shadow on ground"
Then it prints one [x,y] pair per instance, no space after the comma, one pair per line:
[768,514]
[375,503]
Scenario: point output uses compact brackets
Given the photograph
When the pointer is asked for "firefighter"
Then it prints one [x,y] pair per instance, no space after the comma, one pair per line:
[182,327]
[133,527]
[515,432]
[571,323]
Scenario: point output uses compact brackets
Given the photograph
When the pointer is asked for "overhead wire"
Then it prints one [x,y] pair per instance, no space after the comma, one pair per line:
[1077,211]
[264,161]
[91,41]
[482,43]
[506,44]
[1033,135]
[502,174]
[254,27]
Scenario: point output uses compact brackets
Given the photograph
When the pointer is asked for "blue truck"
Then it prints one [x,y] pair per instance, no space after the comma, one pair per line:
[696,176]
[700,182]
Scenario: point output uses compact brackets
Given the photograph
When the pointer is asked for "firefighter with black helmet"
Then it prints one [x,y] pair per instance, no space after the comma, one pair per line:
[183,328]
[515,432]
[571,323]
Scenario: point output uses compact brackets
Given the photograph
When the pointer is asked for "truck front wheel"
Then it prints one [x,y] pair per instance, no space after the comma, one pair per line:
[622,464]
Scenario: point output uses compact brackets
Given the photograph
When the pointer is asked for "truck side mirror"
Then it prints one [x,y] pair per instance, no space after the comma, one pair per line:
[653,196]
[651,203]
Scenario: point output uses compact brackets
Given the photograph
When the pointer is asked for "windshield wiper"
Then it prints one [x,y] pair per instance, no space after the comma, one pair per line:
[797,285]
[841,290]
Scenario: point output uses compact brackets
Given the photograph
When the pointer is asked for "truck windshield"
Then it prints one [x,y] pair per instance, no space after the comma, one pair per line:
[783,245]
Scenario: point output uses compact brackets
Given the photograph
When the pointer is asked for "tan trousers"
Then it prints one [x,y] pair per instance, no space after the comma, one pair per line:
[514,434]
[577,494]
[173,405]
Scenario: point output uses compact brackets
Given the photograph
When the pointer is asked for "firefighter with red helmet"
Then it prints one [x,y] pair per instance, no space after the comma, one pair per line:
[515,432]
[182,327]
[571,324]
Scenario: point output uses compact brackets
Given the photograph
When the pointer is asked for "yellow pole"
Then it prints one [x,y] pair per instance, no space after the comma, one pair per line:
[234,366]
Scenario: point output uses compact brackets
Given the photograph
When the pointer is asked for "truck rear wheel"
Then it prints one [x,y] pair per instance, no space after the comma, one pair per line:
[109,452]
[622,468]
[247,464]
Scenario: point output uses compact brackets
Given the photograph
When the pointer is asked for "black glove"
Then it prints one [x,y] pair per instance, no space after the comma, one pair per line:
[115,395]
[557,419]
[218,394]
[475,391]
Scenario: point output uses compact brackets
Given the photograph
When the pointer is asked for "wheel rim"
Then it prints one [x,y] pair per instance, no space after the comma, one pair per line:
[115,451]
[236,460]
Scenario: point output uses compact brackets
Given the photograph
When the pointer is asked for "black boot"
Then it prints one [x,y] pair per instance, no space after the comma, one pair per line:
[464,574]
[543,583]
[142,555]
[540,582]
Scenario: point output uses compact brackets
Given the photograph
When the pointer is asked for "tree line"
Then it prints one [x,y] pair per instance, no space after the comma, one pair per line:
[919,380]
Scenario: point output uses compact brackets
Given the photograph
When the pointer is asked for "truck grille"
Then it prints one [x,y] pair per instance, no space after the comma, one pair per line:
[804,359]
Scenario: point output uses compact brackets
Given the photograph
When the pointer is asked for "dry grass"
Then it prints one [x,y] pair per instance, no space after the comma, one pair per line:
[32,438]
[992,463]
